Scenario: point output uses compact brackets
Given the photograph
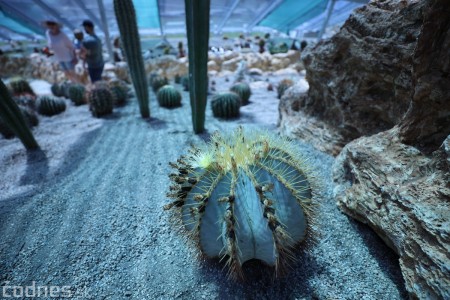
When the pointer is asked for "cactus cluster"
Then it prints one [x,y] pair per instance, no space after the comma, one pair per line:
[226,105]
[50,106]
[130,41]
[168,96]
[243,90]
[243,197]
[283,85]
[77,93]
[20,86]
[100,102]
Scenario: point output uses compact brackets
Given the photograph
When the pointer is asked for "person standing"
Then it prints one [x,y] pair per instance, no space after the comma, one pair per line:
[92,52]
[63,49]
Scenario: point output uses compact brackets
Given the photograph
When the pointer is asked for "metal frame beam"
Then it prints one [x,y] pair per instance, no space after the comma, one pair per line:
[101,8]
[27,35]
[327,19]
[161,29]
[264,13]
[30,23]
[228,15]
[89,13]
[54,13]
[5,37]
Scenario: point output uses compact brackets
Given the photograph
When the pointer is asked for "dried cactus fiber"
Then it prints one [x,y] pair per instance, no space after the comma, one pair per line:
[77,93]
[157,82]
[20,86]
[50,106]
[168,96]
[119,94]
[100,102]
[283,85]
[243,90]
[226,105]
[57,90]
[244,197]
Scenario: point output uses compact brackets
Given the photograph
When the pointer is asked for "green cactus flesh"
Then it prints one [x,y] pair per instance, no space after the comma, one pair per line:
[243,90]
[226,105]
[100,102]
[76,93]
[169,97]
[244,197]
[49,105]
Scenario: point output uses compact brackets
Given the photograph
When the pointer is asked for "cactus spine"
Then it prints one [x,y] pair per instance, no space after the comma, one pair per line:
[243,90]
[11,115]
[243,197]
[197,28]
[226,105]
[50,106]
[100,102]
[169,97]
[126,20]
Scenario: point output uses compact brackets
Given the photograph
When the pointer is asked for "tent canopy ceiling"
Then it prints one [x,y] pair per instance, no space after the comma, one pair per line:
[23,18]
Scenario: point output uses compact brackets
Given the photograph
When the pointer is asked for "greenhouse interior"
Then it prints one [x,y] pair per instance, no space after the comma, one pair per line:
[225,149]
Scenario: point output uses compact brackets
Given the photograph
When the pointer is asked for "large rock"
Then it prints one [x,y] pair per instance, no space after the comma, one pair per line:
[360,79]
[398,181]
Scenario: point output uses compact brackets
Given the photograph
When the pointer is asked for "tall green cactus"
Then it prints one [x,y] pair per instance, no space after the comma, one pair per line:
[126,20]
[197,28]
[10,113]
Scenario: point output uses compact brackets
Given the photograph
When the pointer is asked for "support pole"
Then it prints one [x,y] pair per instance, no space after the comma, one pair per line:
[325,23]
[101,8]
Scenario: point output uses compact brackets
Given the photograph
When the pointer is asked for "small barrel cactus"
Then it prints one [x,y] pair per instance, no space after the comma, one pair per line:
[169,97]
[100,102]
[50,106]
[65,88]
[283,85]
[243,90]
[26,100]
[57,90]
[226,105]
[185,83]
[119,94]
[244,197]
[177,78]
[157,82]
[20,86]
[77,93]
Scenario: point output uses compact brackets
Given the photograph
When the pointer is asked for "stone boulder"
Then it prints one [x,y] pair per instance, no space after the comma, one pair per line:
[360,79]
[398,181]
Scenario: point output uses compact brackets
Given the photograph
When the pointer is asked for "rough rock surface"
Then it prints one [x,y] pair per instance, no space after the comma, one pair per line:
[398,181]
[360,79]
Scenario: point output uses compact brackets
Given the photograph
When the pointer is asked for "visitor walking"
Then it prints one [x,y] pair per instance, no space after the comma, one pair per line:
[63,49]
[92,52]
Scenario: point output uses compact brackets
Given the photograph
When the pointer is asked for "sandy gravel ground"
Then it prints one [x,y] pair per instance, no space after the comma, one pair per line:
[85,215]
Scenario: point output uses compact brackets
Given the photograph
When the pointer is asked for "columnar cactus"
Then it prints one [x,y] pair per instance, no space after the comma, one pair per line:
[226,105]
[243,90]
[126,21]
[50,106]
[243,197]
[100,102]
[20,86]
[77,93]
[283,85]
[14,120]
[169,97]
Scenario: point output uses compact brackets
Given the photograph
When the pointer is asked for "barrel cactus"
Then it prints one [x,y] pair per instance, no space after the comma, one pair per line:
[50,106]
[119,94]
[100,102]
[243,90]
[57,90]
[185,82]
[226,105]
[243,197]
[283,85]
[20,86]
[169,97]
[157,82]
[77,93]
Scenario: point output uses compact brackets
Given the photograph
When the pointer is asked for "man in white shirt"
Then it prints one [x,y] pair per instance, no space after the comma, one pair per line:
[63,49]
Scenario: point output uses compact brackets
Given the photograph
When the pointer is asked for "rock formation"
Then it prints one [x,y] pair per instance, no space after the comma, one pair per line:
[398,181]
[360,79]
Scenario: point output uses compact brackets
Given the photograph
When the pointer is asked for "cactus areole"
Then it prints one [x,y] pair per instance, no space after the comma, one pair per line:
[244,197]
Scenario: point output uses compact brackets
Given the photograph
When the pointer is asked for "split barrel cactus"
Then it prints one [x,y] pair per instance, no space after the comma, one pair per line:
[244,197]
